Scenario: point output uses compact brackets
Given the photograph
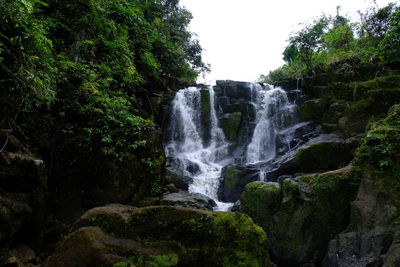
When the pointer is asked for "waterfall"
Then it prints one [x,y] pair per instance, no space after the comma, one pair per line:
[202,163]
[273,110]
[199,151]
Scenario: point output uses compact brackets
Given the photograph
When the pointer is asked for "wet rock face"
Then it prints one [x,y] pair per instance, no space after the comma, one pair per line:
[321,153]
[233,180]
[23,190]
[301,215]
[180,236]
[188,200]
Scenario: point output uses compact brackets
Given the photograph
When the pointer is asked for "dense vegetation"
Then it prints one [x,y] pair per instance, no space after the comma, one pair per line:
[336,43]
[81,70]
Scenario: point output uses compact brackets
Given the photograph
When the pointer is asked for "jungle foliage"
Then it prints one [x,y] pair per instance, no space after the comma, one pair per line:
[74,74]
[337,43]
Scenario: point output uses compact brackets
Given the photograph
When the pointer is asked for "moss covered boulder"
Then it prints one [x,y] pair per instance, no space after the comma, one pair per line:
[230,124]
[180,236]
[373,232]
[233,180]
[322,153]
[205,106]
[313,109]
[260,200]
[303,215]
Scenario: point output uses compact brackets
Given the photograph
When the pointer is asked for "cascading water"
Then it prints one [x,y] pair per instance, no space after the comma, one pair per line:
[201,157]
[202,163]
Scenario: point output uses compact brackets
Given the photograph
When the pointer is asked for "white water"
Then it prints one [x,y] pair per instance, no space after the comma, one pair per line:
[204,163]
[273,112]
[187,146]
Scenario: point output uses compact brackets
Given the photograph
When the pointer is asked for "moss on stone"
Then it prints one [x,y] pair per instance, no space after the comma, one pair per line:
[313,110]
[323,156]
[378,155]
[205,106]
[232,176]
[231,124]
[204,238]
[260,201]
[361,89]
[306,214]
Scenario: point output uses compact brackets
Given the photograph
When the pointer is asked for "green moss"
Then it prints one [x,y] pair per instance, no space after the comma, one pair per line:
[378,155]
[312,110]
[361,89]
[231,124]
[332,194]
[232,176]
[341,91]
[323,156]
[196,237]
[261,200]
[205,106]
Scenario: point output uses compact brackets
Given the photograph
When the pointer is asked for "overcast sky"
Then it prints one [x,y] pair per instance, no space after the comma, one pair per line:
[245,38]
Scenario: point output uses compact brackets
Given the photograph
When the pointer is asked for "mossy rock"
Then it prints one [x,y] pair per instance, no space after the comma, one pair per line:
[323,156]
[260,200]
[234,179]
[341,91]
[230,124]
[303,215]
[205,106]
[378,155]
[313,109]
[361,89]
[198,238]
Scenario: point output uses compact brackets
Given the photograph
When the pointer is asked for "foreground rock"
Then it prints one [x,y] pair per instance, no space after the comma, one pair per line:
[302,215]
[233,180]
[322,153]
[188,200]
[23,190]
[371,238]
[169,235]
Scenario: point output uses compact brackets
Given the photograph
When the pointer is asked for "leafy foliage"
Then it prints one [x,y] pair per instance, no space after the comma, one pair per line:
[82,68]
[328,40]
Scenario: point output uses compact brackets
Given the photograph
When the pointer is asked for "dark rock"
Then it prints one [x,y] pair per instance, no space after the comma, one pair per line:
[233,180]
[188,200]
[233,89]
[179,181]
[187,237]
[322,153]
[171,188]
[237,207]
[230,124]
[313,110]
[19,256]
[303,214]
[90,246]
[23,189]
[370,224]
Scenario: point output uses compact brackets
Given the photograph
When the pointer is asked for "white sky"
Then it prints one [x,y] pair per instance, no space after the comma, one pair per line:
[243,39]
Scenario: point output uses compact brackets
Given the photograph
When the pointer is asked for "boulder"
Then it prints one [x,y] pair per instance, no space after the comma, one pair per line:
[233,180]
[371,237]
[23,188]
[180,236]
[303,214]
[321,153]
[230,124]
[313,109]
[188,200]
[90,246]
[234,89]
[260,200]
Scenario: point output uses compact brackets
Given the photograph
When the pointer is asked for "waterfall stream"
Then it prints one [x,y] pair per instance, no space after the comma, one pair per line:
[199,152]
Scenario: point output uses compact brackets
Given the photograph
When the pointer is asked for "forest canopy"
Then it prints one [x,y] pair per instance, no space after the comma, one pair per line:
[82,69]
[330,41]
